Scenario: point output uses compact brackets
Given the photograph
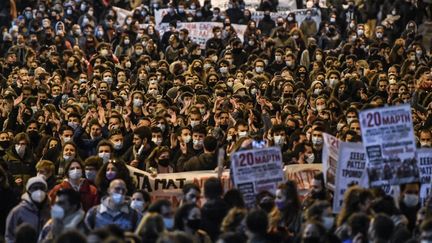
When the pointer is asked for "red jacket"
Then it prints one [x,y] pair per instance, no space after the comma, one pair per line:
[89,194]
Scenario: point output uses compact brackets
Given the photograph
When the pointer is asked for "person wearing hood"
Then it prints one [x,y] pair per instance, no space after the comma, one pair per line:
[33,208]
[114,209]
[66,214]
[74,179]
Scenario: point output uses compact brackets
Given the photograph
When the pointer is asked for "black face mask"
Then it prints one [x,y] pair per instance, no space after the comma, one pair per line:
[318,195]
[224,127]
[267,206]
[164,162]
[5,144]
[34,136]
[194,224]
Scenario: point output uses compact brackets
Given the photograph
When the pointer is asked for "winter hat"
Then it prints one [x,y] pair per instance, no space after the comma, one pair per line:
[34,180]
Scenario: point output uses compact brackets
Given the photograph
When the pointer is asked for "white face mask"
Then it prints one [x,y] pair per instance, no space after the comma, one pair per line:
[104,52]
[57,212]
[197,143]
[425,144]
[157,141]
[38,196]
[317,141]
[242,134]
[320,108]
[259,69]
[328,222]
[309,158]
[137,205]
[75,174]
[187,139]
[411,200]
[118,145]
[67,158]
[105,156]
[279,140]
[20,149]
[349,120]
[194,123]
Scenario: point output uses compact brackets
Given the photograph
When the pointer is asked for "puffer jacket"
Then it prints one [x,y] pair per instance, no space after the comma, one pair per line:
[89,194]
[26,212]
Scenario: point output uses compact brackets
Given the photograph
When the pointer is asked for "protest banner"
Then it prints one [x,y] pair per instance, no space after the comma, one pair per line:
[121,14]
[302,174]
[300,15]
[168,186]
[330,153]
[200,32]
[351,170]
[388,139]
[424,156]
[256,170]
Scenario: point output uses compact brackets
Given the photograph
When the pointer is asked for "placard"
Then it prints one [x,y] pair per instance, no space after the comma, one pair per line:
[389,142]
[257,170]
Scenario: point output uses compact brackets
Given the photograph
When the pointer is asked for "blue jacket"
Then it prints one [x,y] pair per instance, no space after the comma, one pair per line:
[101,215]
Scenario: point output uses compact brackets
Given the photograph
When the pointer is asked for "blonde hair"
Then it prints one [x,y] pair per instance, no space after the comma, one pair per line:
[233,219]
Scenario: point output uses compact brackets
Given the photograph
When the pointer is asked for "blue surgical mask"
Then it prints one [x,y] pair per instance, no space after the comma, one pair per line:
[169,223]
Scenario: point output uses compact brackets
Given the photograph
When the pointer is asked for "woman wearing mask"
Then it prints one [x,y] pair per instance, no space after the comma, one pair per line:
[160,160]
[74,179]
[188,219]
[125,46]
[113,169]
[287,219]
[68,153]
[140,201]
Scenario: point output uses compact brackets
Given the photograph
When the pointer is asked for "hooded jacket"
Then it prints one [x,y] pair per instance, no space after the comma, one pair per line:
[26,212]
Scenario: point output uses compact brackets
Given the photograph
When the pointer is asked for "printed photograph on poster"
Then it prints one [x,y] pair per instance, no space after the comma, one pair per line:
[389,142]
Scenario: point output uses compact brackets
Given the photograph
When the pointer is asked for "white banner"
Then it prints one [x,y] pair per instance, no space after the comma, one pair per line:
[300,15]
[121,14]
[169,185]
[200,32]
[330,153]
[388,139]
[257,170]
[302,174]
[351,170]
[425,168]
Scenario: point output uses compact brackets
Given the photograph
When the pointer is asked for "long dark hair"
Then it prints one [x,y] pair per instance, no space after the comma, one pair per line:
[102,182]
[293,206]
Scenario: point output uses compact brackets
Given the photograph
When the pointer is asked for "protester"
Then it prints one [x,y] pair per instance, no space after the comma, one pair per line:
[33,209]
[74,180]
[148,94]
[114,209]
[66,214]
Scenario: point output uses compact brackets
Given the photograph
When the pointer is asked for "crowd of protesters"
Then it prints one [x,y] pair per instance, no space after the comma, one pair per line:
[83,96]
